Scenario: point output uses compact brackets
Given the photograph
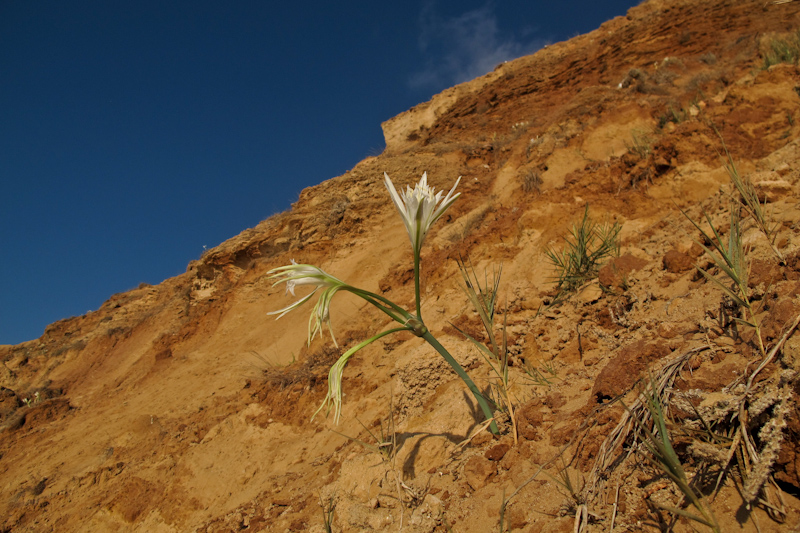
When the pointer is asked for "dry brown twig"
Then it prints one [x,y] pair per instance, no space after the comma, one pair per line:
[623,428]
[772,352]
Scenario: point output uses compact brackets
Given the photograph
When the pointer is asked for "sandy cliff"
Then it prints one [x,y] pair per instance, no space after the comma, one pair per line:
[184,407]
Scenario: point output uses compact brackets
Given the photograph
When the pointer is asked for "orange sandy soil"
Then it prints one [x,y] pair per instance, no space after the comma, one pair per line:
[184,407]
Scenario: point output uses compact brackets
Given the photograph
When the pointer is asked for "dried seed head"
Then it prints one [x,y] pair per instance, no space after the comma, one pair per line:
[771,435]
[708,452]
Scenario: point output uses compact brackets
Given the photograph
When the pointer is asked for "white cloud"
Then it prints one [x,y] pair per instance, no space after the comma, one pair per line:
[462,48]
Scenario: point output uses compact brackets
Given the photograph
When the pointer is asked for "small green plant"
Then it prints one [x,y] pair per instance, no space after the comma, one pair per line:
[584,251]
[539,376]
[708,58]
[385,445]
[31,402]
[503,506]
[783,50]
[576,503]
[385,438]
[473,221]
[731,260]
[749,198]
[671,115]
[564,480]
[328,508]
[662,455]
[483,298]
[641,143]
[498,144]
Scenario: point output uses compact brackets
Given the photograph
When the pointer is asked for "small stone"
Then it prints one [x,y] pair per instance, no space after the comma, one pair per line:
[590,293]
[770,186]
[783,169]
[670,330]
[531,304]
[661,164]
[724,342]
[481,438]
[677,262]
[555,400]
[591,361]
[769,191]
[477,471]
[497,452]
[517,519]
[695,250]
[616,271]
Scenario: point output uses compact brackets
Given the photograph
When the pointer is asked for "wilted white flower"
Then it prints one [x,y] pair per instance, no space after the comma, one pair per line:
[294,275]
[420,207]
[333,400]
[334,397]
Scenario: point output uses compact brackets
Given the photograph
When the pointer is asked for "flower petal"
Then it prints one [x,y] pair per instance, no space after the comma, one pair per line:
[297,274]
[420,207]
[298,303]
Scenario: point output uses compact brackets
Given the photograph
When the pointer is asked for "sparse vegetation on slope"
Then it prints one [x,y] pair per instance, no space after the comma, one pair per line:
[584,252]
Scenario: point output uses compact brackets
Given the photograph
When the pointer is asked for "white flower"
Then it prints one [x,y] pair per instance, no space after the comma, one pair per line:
[333,400]
[334,397]
[295,275]
[418,207]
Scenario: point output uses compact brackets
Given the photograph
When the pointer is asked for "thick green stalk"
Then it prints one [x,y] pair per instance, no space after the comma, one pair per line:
[487,411]
[416,285]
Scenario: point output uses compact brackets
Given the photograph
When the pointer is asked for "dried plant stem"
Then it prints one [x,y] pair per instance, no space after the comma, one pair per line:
[774,351]
[475,433]
[737,438]
[662,454]
[619,434]
[581,518]
[614,514]
[507,501]
[751,460]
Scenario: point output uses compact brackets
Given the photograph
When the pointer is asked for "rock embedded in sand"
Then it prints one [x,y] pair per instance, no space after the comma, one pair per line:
[676,262]
[477,471]
[615,273]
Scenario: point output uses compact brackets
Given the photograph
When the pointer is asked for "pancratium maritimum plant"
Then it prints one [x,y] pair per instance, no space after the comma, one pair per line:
[419,207]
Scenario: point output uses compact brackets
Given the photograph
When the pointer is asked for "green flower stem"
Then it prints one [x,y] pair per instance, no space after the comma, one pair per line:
[487,411]
[416,285]
[334,396]
[397,313]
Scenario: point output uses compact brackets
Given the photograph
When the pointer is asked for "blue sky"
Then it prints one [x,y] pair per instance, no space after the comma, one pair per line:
[135,134]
